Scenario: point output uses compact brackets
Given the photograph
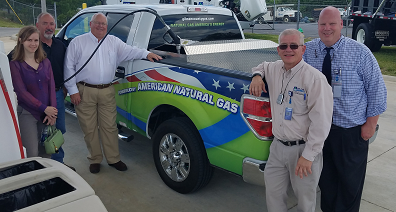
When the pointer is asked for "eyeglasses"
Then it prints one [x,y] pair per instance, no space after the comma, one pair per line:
[99,23]
[292,46]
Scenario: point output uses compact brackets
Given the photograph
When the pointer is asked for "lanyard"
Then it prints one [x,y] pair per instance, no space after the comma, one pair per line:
[282,94]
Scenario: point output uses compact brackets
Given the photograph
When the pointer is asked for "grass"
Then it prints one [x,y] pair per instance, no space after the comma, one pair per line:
[265,37]
[385,57]
[7,23]
[262,37]
[386,60]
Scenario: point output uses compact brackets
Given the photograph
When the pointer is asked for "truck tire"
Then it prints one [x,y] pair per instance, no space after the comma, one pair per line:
[180,156]
[376,46]
[363,35]
[286,19]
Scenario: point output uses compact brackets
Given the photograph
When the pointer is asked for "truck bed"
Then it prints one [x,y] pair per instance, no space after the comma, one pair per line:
[232,57]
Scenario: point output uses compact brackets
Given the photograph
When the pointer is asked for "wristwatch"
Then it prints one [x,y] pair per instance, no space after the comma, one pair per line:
[255,74]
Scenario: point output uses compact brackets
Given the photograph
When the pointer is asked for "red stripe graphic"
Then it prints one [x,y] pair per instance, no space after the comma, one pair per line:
[157,76]
[133,79]
[9,104]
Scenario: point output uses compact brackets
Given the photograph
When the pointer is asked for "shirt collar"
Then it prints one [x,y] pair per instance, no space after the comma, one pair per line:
[336,46]
[46,45]
[295,68]
[93,37]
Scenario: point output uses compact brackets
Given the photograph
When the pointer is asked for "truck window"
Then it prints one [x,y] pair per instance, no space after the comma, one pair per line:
[122,29]
[196,27]
[78,26]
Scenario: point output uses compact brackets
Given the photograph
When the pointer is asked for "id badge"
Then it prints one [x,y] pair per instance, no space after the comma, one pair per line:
[337,84]
[288,113]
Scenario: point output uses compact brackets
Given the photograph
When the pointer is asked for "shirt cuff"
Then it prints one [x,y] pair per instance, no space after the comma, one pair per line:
[42,107]
[72,90]
[256,74]
[145,54]
[309,154]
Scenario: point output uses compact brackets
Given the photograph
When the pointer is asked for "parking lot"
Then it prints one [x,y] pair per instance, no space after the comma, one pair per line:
[141,189]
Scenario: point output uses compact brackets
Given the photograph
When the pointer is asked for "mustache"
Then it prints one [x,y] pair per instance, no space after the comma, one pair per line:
[49,30]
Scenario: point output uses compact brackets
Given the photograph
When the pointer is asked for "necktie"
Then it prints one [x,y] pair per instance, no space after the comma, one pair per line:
[326,68]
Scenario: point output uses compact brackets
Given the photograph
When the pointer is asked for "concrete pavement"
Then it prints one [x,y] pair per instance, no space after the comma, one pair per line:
[141,189]
[9,43]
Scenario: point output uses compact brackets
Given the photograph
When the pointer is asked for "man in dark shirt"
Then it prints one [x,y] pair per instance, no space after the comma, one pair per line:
[55,50]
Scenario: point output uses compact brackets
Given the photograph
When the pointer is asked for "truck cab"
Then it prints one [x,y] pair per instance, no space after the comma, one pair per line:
[246,10]
[281,13]
[374,23]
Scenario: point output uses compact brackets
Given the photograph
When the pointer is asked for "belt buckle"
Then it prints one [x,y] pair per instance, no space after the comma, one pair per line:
[101,86]
[288,143]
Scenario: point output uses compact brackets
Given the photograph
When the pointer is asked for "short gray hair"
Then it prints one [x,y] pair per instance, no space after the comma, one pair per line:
[43,14]
[96,14]
[292,32]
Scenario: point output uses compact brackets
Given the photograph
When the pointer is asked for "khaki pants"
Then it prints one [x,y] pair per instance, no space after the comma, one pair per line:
[97,117]
[279,173]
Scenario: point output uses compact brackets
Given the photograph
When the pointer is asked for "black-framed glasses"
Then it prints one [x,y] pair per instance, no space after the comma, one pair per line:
[292,46]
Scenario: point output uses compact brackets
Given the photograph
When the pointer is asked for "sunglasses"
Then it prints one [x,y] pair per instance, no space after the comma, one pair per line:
[292,46]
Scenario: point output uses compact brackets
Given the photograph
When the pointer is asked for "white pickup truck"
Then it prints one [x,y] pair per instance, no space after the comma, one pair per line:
[285,14]
[193,104]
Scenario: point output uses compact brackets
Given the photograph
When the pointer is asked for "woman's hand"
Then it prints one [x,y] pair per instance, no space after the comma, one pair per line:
[49,121]
[52,112]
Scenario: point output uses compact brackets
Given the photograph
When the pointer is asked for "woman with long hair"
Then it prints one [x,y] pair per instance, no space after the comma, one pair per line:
[34,85]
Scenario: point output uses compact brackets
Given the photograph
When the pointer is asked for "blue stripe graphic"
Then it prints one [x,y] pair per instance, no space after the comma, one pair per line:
[224,131]
[134,120]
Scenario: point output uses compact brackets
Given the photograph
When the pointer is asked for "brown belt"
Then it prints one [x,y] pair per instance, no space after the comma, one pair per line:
[101,86]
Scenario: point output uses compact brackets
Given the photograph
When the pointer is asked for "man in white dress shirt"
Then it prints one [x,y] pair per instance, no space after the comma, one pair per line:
[91,90]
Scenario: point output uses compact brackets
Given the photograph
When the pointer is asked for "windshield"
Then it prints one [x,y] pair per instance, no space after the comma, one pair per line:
[196,27]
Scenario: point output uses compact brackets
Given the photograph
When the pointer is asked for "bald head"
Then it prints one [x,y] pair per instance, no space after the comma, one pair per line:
[329,26]
[331,11]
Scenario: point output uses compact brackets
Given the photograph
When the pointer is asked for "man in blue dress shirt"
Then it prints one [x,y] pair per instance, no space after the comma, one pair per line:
[359,95]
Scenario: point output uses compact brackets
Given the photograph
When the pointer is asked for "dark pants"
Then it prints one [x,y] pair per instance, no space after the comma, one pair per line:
[60,123]
[344,169]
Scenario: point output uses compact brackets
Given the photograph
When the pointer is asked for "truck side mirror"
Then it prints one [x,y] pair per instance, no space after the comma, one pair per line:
[120,72]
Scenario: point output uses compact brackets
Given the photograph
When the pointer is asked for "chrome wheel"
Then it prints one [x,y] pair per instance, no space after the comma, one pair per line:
[174,157]
[361,36]
[180,157]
